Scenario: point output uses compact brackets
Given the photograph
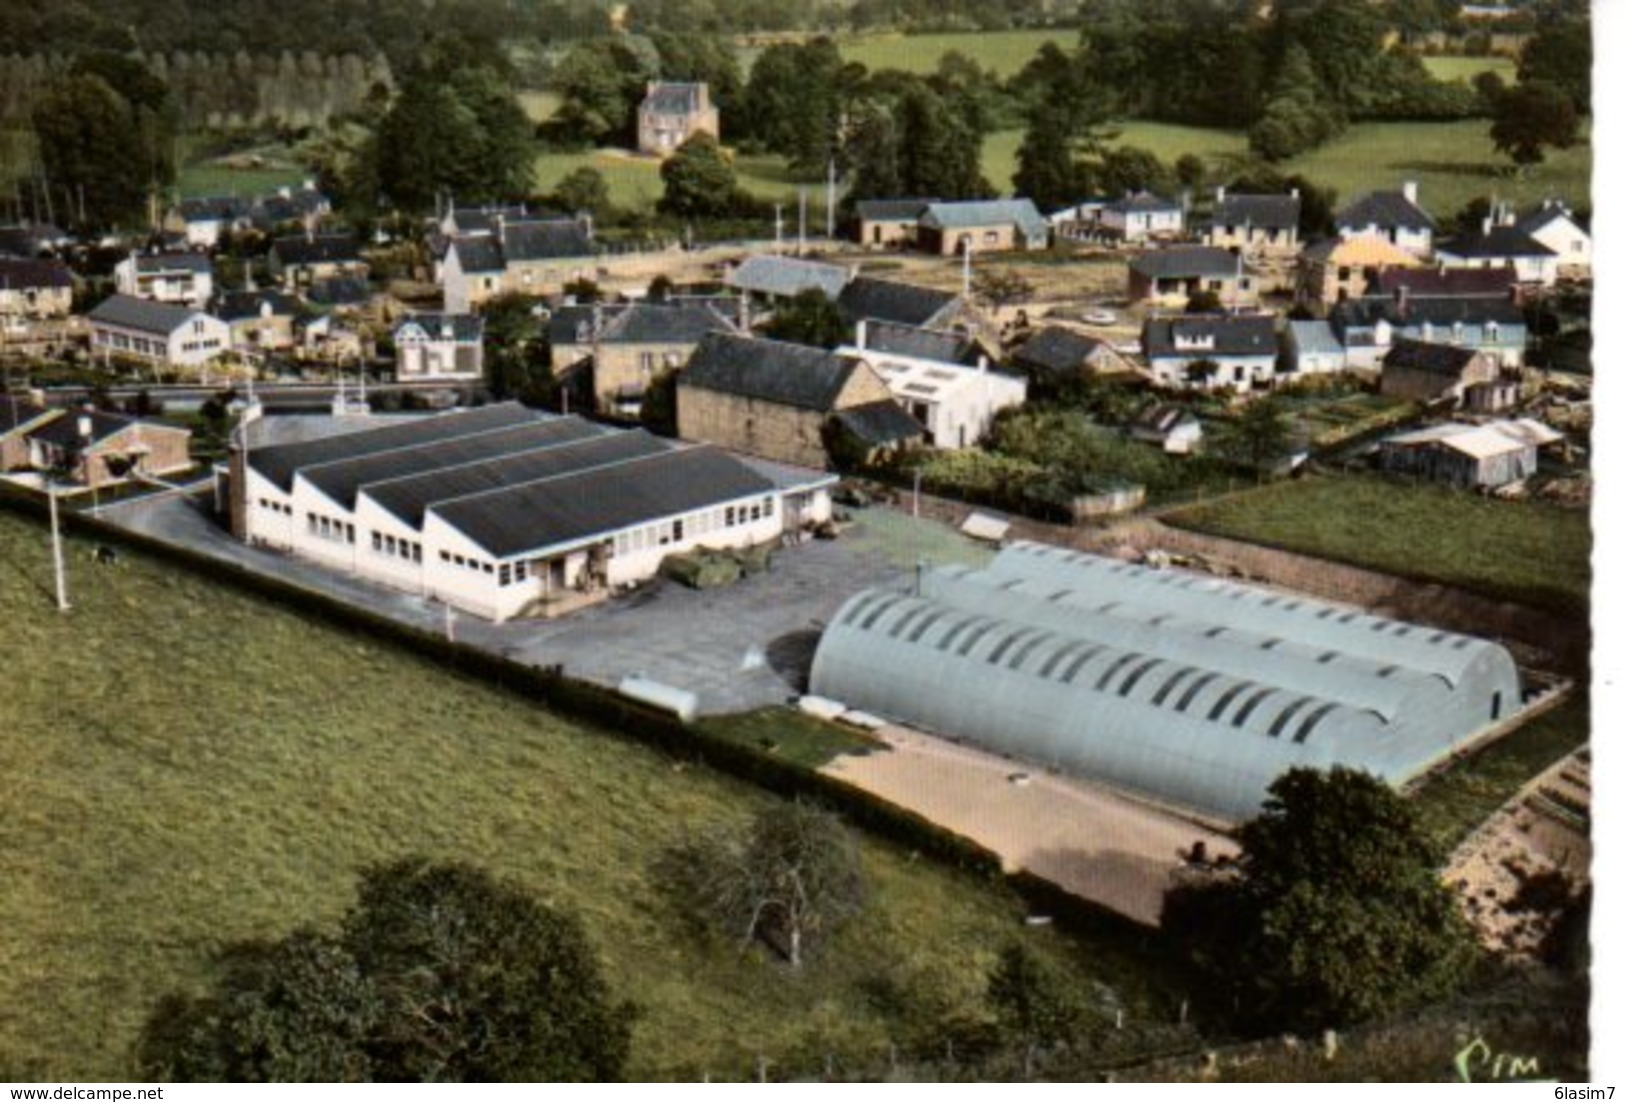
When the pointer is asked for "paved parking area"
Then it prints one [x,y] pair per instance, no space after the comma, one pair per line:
[741,647]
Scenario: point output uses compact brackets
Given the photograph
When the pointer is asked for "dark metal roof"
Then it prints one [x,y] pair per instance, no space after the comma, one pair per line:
[1248,335]
[279,463]
[589,503]
[1185,262]
[771,371]
[1436,359]
[1386,210]
[1499,241]
[1057,350]
[877,423]
[340,291]
[241,305]
[670,98]
[34,273]
[322,248]
[884,300]
[463,328]
[341,479]
[941,345]
[891,210]
[1266,211]
[410,496]
[129,312]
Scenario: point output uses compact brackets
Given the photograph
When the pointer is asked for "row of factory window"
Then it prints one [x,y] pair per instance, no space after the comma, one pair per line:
[276,506]
[693,526]
[398,548]
[329,529]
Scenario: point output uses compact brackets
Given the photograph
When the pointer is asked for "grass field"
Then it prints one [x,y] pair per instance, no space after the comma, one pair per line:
[1454,803]
[1533,554]
[183,766]
[1004,52]
[1466,68]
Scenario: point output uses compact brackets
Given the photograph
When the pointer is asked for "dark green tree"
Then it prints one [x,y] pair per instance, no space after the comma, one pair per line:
[1296,115]
[872,154]
[600,83]
[1129,168]
[582,189]
[937,154]
[1258,437]
[517,356]
[1337,913]
[439,974]
[699,180]
[1531,118]
[461,133]
[102,152]
[794,102]
[1560,54]
[809,318]
[1033,1001]
[1047,160]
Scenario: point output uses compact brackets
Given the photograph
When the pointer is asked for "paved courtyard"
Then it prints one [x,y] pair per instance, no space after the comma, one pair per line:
[737,648]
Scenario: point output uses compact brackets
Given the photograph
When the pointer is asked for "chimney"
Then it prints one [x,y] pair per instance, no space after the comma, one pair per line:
[1409,190]
[860,333]
[87,427]
[744,313]
[1402,294]
[1487,224]
[1218,194]
[1294,193]
[981,363]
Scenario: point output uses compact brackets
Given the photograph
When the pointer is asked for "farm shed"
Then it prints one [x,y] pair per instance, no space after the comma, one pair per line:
[1193,691]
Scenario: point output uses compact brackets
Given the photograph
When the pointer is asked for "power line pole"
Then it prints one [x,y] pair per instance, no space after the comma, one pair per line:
[801,232]
[829,203]
[56,549]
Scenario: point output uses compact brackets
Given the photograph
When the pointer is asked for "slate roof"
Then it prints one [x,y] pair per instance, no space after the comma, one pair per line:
[462,328]
[243,305]
[1185,262]
[321,248]
[986,212]
[1498,242]
[884,300]
[212,208]
[770,371]
[785,277]
[941,345]
[276,207]
[1386,210]
[279,462]
[878,423]
[1140,202]
[129,312]
[29,241]
[550,240]
[24,273]
[1057,350]
[479,253]
[1162,419]
[665,323]
[64,431]
[195,263]
[1245,335]
[340,291]
[891,210]
[1544,215]
[1366,312]
[484,219]
[672,98]
[17,412]
[1435,359]
[1446,282]
[567,509]
[1279,212]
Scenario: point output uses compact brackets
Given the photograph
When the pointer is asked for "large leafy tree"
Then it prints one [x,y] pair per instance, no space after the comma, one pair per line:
[460,132]
[601,81]
[795,101]
[105,133]
[1560,53]
[1532,117]
[440,973]
[938,154]
[699,180]
[1336,915]
[809,318]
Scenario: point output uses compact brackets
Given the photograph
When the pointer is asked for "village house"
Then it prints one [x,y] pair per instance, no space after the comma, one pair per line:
[18,416]
[987,225]
[501,511]
[440,346]
[1486,456]
[1206,351]
[203,220]
[96,449]
[304,206]
[157,333]
[1393,216]
[940,378]
[1368,327]
[532,257]
[1312,348]
[1552,224]
[260,321]
[183,278]
[325,340]
[1169,277]
[308,261]
[770,280]
[33,240]
[671,113]
[1411,284]
[1141,216]
[773,399]
[1055,358]
[867,299]
[1257,225]
[889,223]
[1172,428]
[1336,269]
[1420,371]
[629,345]
[32,290]
[1495,246]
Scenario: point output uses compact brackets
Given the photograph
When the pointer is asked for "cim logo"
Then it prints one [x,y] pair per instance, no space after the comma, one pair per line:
[1479,1063]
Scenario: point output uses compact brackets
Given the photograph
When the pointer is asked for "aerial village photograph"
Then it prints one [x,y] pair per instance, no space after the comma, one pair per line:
[876,541]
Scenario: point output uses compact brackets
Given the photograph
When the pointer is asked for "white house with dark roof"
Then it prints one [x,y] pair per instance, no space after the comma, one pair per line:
[673,112]
[1207,351]
[534,256]
[1169,277]
[941,378]
[33,289]
[1491,245]
[1554,225]
[440,346]
[1142,216]
[184,278]
[1394,216]
[501,511]
[156,332]
[1259,225]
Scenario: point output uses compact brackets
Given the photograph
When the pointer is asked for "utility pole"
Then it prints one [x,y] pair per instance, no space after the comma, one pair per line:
[778,228]
[801,233]
[56,548]
[965,278]
[829,203]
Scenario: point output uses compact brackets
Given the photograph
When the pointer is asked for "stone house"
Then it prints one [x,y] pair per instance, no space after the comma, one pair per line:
[628,345]
[18,417]
[1257,225]
[260,321]
[889,223]
[34,289]
[532,257]
[1337,269]
[97,449]
[1421,371]
[671,113]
